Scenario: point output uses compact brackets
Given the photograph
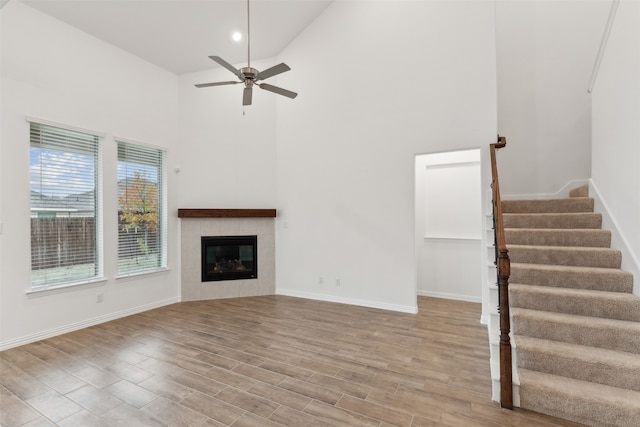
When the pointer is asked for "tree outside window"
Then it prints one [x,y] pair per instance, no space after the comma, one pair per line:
[139,209]
[140,222]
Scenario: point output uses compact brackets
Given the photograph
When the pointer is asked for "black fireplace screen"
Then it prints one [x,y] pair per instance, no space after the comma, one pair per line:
[229,258]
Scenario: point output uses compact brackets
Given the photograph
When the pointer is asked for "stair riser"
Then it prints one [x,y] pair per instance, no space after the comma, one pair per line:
[602,336]
[592,238]
[593,371]
[544,206]
[566,221]
[613,280]
[587,305]
[585,258]
[588,412]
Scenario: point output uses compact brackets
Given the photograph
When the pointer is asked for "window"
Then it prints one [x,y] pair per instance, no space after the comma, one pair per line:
[141,210]
[65,220]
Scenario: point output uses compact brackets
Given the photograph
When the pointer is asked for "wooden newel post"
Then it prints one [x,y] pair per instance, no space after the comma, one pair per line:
[504,270]
[506,383]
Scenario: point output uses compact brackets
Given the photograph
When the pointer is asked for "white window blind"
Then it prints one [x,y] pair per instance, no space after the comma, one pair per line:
[64,195]
[141,209]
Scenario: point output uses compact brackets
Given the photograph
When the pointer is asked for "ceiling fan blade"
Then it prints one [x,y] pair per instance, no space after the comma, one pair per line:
[270,72]
[278,90]
[246,96]
[216,84]
[226,65]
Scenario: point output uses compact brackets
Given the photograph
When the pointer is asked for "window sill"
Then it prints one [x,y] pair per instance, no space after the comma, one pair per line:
[141,273]
[64,287]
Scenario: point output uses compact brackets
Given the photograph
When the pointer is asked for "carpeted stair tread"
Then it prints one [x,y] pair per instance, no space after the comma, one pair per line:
[562,255]
[558,237]
[610,305]
[615,368]
[577,277]
[576,204]
[612,334]
[552,220]
[580,401]
[575,319]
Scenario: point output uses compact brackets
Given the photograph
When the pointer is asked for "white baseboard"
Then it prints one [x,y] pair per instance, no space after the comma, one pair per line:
[560,194]
[444,295]
[350,301]
[630,261]
[84,324]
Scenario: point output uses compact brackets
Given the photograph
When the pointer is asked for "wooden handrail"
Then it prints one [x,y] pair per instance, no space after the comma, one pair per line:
[504,270]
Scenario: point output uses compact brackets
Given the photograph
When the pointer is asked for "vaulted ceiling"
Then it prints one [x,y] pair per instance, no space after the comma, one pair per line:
[179,35]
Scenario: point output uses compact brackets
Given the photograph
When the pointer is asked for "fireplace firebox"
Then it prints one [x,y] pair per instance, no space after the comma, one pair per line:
[229,257]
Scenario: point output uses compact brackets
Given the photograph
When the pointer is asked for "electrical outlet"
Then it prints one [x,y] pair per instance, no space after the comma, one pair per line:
[100,298]
[338,282]
[320,280]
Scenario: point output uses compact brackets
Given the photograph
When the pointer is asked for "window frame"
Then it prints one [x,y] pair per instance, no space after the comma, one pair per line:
[98,214]
[162,220]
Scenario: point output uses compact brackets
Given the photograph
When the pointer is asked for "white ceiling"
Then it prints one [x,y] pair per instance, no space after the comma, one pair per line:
[179,35]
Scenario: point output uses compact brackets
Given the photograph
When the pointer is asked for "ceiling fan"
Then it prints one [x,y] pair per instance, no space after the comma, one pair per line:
[250,76]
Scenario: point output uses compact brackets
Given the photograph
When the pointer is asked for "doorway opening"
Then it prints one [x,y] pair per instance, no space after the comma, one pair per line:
[449,224]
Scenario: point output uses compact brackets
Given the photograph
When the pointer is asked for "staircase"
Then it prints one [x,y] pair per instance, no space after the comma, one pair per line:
[576,324]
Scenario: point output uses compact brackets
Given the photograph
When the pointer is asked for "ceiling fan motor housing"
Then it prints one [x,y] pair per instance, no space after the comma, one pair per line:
[249,73]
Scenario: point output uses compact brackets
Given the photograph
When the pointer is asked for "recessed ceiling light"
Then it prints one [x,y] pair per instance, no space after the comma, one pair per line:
[237,36]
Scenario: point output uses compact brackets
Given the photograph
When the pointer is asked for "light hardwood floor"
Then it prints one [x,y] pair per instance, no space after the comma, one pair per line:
[262,361]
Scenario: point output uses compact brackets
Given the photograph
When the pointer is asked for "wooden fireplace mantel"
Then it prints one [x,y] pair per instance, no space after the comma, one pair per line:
[226,213]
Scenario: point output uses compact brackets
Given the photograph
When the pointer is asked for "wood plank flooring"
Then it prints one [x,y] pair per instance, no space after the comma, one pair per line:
[262,361]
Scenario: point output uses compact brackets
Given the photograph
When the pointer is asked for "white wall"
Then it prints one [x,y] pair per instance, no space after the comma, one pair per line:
[379,82]
[449,225]
[545,54]
[55,72]
[616,136]
[226,159]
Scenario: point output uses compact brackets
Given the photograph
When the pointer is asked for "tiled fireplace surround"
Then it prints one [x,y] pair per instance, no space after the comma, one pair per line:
[196,223]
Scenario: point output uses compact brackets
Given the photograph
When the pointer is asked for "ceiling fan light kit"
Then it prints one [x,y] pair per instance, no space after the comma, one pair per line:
[250,76]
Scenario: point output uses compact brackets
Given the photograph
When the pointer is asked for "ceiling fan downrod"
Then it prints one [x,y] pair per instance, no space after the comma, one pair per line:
[248,36]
